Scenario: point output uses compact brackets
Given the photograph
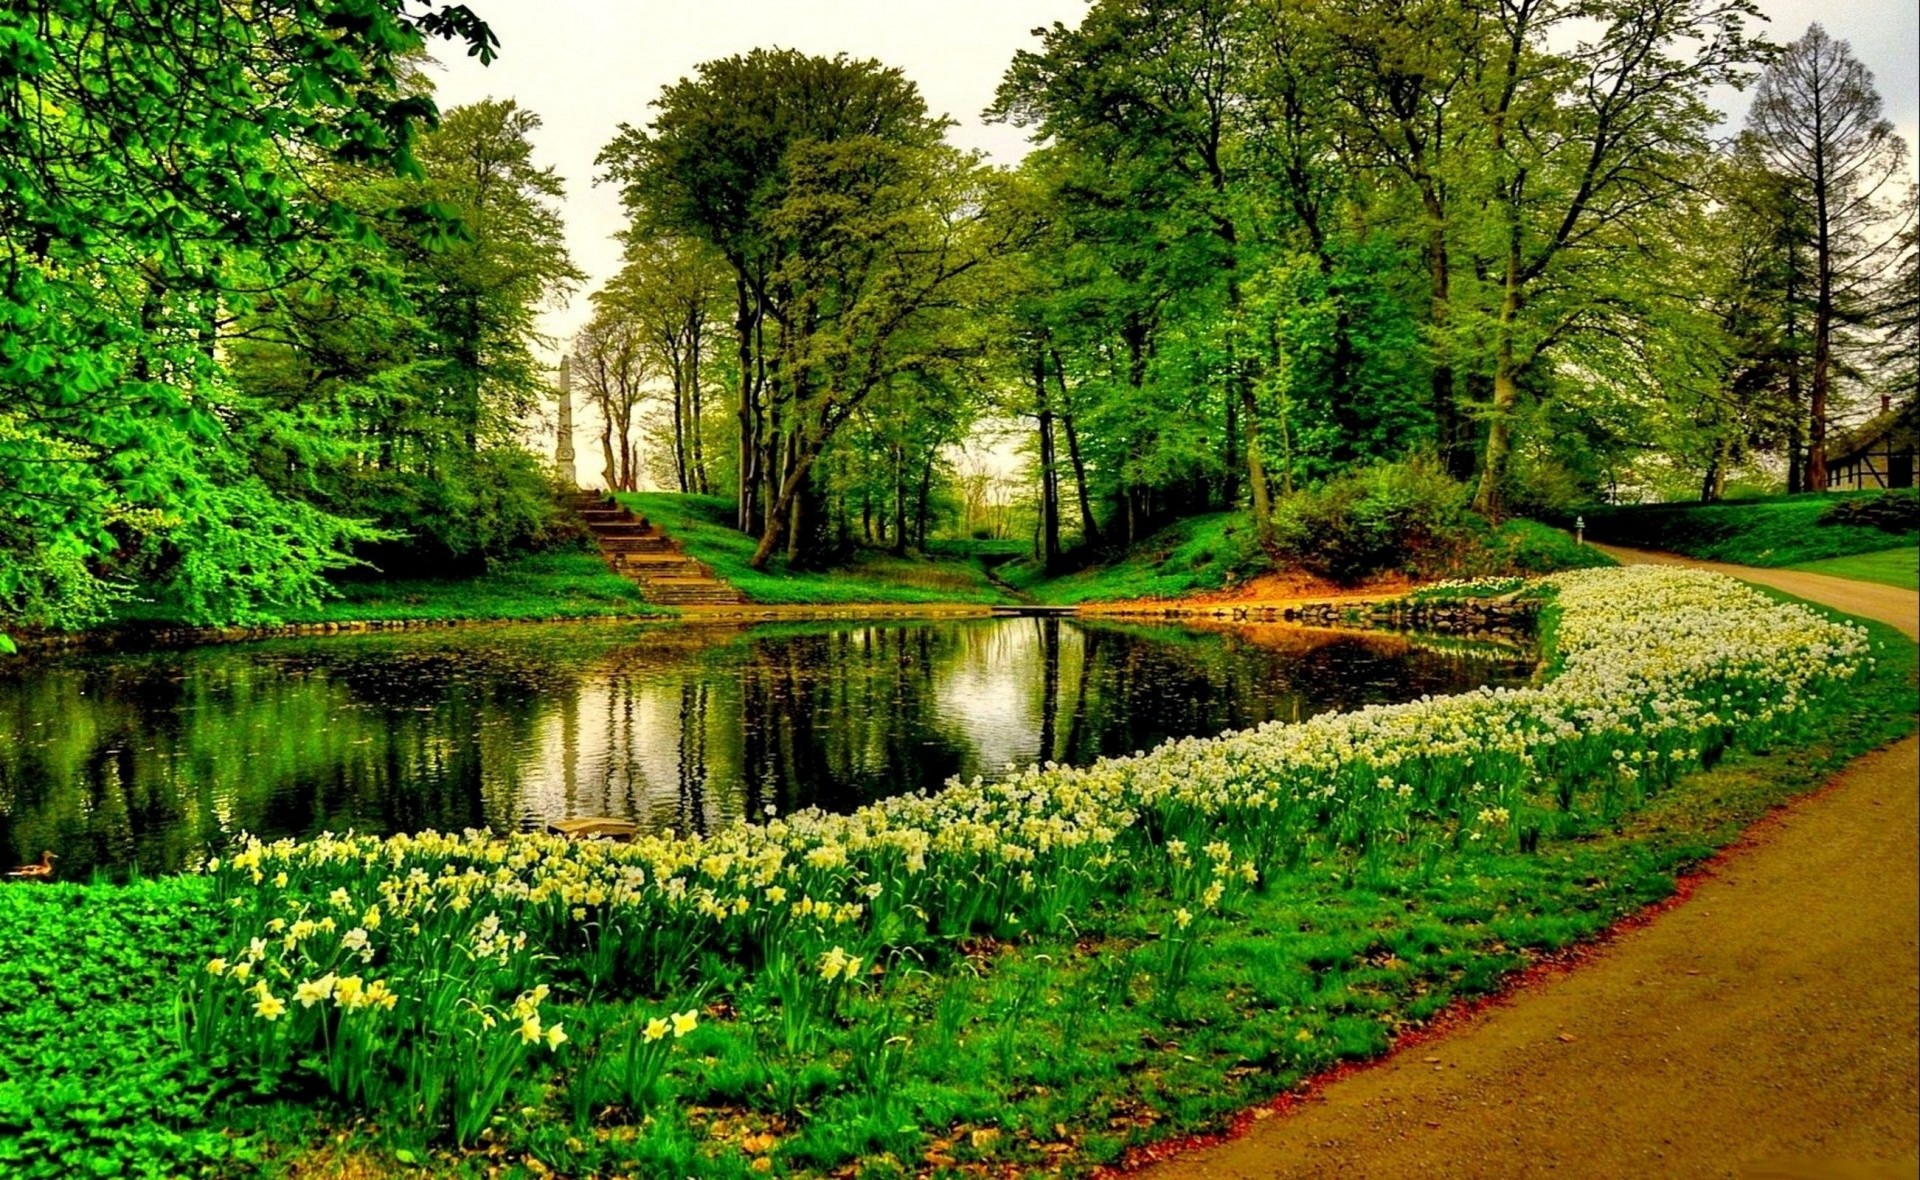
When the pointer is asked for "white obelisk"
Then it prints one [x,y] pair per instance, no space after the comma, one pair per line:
[563,446]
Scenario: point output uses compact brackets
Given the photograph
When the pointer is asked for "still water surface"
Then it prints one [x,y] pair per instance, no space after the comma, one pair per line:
[152,759]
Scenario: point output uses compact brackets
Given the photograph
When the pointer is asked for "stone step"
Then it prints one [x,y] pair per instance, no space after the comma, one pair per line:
[696,598]
[638,551]
[654,543]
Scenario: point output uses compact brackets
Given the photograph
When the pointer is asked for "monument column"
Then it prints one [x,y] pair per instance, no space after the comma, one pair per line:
[563,446]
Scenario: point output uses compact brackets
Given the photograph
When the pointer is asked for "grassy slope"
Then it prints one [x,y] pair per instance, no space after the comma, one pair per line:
[1186,557]
[1055,1050]
[1774,531]
[700,525]
[562,584]
[1891,567]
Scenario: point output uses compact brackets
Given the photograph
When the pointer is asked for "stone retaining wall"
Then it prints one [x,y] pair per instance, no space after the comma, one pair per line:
[1473,617]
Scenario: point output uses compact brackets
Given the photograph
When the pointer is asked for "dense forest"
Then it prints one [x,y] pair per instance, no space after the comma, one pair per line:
[266,311]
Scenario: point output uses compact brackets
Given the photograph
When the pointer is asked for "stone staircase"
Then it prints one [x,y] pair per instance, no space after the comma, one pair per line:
[637,550]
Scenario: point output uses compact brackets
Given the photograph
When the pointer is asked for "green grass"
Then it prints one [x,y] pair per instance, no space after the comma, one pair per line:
[554,585]
[703,527]
[1770,532]
[1891,567]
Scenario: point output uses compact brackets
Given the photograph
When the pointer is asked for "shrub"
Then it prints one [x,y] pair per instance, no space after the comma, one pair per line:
[1407,516]
[1895,512]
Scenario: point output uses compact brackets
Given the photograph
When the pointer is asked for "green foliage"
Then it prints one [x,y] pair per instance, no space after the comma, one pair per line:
[159,159]
[91,1080]
[1775,531]
[1410,517]
[1895,512]
[558,584]
[1529,547]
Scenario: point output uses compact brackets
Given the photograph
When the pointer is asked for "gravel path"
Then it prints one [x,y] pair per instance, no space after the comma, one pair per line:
[1768,1027]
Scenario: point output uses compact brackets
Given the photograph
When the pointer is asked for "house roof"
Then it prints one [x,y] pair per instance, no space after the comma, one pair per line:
[1866,436]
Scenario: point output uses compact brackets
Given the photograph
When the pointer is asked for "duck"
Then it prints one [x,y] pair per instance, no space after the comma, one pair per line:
[39,871]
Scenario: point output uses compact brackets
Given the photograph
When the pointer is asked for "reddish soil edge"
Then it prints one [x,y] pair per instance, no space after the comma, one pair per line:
[1771,1028]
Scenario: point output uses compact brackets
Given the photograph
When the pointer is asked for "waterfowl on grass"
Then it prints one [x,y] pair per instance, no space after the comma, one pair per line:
[41,871]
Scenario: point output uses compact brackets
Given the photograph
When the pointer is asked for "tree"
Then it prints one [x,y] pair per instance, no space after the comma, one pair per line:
[715,165]
[409,353]
[673,289]
[1584,151]
[1816,117]
[610,357]
[157,158]
[1154,83]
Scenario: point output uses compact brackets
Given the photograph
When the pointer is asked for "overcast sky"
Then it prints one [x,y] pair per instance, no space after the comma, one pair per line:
[585,66]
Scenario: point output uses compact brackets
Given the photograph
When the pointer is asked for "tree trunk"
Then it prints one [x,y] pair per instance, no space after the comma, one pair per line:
[899,500]
[777,512]
[1713,485]
[1822,324]
[1506,387]
[1455,456]
[743,323]
[695,411]
[1049,480]
[1089,528]
[923,507]
[680,433]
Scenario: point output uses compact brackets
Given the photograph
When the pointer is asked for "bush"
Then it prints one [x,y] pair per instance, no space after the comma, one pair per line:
[1895,512]
[1407,516]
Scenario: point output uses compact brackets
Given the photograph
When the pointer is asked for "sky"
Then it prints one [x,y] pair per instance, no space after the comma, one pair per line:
[586,66]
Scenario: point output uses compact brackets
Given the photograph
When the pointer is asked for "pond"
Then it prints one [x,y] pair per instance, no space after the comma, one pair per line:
[150,760]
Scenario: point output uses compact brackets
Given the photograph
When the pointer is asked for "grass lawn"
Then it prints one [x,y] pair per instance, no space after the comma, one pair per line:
[1893,567]
[1012,1051]
[1770,532]
[574,584]
[702,526]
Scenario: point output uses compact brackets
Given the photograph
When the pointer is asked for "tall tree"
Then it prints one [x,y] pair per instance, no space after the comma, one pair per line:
[674,288]
[715,164]
[1817,118]
[1585,149]
[157,156]
[1156,83]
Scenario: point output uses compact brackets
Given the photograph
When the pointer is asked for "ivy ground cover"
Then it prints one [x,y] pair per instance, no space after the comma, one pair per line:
[1030,975]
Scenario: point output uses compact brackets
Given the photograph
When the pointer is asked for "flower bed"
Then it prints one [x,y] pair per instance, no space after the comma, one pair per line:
[418,976]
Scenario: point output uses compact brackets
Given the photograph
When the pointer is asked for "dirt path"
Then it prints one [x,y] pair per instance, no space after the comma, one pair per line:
[1769,1027]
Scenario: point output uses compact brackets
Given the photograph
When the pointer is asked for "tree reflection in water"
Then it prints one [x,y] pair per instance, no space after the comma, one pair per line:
[152,759]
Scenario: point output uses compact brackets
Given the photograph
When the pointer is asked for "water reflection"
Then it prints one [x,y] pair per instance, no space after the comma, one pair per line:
[151,759]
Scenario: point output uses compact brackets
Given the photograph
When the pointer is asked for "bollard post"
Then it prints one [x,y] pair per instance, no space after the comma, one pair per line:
[1579,530]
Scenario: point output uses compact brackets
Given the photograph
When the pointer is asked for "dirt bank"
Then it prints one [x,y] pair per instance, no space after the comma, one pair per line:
[1768,1027]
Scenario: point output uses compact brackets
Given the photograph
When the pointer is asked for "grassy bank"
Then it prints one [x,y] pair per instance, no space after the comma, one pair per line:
[1890,567]
[1116,1003]
[702,525]
[1769,532]
[561,584]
